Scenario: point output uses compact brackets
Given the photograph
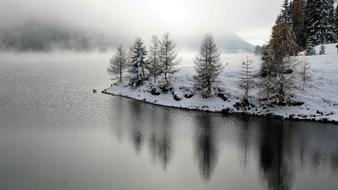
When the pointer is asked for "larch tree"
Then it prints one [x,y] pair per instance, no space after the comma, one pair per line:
[168,58]
[154,64]
[298,22]
[208,67]
[118,63]
[138,54]
[246,82]
[283,44]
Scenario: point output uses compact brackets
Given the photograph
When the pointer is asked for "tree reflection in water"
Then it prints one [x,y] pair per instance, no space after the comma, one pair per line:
[205,145]
[160,136]
[281,147]
[274,155]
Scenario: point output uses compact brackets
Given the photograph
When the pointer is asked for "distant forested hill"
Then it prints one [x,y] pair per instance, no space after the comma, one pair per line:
[37,36]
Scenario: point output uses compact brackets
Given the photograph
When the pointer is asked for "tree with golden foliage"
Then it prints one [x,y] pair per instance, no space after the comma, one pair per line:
[281,65]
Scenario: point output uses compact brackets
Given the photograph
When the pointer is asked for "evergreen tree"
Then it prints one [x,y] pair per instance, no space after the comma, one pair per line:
[208,67]
[337,22]
[267,60]
[258,50]
[118,63]
[309,49]
[246,80]
[322,50]
[298,22]
[319,22]
[285,15]
[154,59]
[168,58]
[138,54]
[267,74]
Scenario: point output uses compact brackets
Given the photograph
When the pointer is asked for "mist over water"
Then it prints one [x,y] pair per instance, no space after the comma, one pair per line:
[81,25]
[55,133]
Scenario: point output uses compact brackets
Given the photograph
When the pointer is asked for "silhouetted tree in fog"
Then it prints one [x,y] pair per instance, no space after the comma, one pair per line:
[246,82]
[118,63]
[208,67]
[154,66]
[168,58]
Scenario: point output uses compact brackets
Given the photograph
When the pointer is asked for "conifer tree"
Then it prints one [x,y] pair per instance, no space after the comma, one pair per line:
[283,46]
[168,58]
[118,63]
[267,60]
[298,22]
[267,75]
[319,22]
[246,79]
[154,66]
[322,50]
[138,54]
[309,49]
[208,67]
[285,15]
[337,22]
[283,41]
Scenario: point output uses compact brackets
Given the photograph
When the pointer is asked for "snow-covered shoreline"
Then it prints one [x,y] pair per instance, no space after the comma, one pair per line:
[318,102]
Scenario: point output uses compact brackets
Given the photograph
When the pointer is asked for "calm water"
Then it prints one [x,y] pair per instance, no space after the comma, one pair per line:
[56,134]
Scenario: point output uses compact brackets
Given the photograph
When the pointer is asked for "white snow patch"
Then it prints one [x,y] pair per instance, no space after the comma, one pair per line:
[320,96]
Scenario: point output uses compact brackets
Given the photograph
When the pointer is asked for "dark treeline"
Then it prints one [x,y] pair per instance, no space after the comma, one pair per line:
[310,22]
[301,25]
[37,36]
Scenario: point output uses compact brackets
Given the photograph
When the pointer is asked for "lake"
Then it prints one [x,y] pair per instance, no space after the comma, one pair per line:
[55,134]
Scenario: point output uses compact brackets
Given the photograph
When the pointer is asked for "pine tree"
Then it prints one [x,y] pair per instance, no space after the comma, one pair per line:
[322,50]
[309,49]
[285,15]
[267,60]
[168,58]
[208,67]
[298,22]
[337,21]
[138,54]
[319,22]
[246,80]
[154,59]
[118,63]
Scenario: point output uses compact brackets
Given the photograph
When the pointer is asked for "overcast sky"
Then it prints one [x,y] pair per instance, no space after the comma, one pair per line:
[250,19]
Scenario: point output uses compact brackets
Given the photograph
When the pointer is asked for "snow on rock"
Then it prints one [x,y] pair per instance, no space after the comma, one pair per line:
[318,102]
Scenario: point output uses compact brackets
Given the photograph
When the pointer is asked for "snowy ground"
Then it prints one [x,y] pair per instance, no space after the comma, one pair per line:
[320,96]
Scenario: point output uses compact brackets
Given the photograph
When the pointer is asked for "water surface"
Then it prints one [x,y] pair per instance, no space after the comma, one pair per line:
[55,133]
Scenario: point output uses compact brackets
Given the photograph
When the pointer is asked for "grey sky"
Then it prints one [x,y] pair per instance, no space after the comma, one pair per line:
[251,19]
